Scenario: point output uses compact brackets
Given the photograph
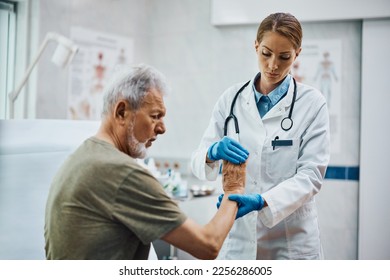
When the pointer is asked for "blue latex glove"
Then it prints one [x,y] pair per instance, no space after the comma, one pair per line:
[246,203]
[228,149]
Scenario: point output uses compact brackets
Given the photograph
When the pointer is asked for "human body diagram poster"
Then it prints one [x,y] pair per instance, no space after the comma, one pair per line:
[320,64]
[98,56]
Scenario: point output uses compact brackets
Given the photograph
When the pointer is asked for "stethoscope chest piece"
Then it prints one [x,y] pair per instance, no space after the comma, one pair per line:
[286,123]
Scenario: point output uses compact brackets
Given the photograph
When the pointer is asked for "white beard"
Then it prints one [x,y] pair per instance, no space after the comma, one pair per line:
[137,149]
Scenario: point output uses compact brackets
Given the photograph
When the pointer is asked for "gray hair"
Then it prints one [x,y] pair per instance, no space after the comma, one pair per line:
[132,84]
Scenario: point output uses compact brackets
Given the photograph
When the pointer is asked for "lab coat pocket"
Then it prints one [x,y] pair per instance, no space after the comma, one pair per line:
[282,160]
[302,232]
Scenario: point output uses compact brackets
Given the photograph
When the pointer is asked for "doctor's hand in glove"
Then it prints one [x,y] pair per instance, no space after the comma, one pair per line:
[246,203]
[228,149]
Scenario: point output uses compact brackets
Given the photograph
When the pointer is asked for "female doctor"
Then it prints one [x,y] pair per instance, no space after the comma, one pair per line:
[281,128]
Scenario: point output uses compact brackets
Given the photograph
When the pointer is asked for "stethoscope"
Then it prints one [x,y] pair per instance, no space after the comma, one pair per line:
[286,123]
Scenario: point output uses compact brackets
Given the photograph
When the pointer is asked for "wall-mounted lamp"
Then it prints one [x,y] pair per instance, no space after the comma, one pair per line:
[62,56]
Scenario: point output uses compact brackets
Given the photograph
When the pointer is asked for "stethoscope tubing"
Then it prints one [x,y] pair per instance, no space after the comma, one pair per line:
[231,114]
[286,124]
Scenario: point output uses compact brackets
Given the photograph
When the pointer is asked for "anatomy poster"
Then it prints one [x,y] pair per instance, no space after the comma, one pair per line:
[98,56]
[320,64]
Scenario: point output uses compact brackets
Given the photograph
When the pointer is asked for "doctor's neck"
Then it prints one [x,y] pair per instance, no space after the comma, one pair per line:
[265,87]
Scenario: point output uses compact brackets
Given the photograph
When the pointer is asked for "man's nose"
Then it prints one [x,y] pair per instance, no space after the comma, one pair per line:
[160,128]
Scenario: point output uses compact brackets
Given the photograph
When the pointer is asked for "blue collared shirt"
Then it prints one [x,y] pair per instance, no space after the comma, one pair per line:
[274,95]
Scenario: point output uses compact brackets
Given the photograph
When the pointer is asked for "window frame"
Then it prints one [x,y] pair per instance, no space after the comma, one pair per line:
[7,53]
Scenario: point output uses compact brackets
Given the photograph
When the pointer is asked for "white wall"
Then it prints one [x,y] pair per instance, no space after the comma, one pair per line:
[227,12]
[374,207]
[124,18]
[338,199]
[200,61]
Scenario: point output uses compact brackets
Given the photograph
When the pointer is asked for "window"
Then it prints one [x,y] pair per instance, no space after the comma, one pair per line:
[7,53]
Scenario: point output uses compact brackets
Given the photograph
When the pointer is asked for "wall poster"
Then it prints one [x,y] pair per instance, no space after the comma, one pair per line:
[98,56]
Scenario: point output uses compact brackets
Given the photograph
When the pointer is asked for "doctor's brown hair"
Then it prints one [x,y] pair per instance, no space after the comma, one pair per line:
[283,23]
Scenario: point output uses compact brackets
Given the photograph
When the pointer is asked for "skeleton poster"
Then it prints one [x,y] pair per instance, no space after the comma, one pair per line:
[98,56]
[320,64]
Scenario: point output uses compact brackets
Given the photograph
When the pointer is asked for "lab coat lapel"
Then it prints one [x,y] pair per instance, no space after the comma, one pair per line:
[250,102]
[283,105]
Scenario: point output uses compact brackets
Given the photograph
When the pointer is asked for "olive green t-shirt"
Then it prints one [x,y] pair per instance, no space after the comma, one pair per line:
[103,205]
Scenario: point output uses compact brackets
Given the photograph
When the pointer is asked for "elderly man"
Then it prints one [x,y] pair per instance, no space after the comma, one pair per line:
[103,205]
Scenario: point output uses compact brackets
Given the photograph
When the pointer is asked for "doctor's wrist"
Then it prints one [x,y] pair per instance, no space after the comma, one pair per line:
[208,160]
[209,155]
[265,204]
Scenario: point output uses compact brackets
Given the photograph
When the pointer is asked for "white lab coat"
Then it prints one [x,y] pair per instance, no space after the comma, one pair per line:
[288,177]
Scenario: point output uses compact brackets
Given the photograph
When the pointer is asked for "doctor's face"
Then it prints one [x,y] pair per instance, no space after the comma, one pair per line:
[276,54]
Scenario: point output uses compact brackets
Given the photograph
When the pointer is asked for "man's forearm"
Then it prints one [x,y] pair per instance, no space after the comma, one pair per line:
[220,225]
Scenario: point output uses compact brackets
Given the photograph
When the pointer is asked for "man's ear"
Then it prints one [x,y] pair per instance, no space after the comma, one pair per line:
[120,111]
